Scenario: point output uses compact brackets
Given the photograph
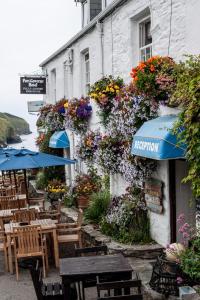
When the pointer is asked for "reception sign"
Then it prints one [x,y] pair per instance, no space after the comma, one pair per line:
[33,85]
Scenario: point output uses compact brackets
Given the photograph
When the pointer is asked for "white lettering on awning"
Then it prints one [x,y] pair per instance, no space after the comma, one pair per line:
[146,146]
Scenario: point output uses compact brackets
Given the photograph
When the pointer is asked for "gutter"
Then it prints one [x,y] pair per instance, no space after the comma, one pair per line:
[100,17]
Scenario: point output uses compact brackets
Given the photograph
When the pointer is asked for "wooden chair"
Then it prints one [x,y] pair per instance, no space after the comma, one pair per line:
[52,213]
[29,242]
[45,291]
[37,201]
[8,202]
[4,248]
[70,232]
[24,215]
[120,290]
[96,250]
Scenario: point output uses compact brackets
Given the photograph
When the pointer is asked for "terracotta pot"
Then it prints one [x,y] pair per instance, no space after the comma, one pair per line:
[83,201]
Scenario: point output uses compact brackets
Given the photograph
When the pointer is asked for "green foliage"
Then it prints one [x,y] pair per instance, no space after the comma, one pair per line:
[137,230]
[41,180]
[187,95]
[57,172]
[70,199]
[98,206]
[190,263]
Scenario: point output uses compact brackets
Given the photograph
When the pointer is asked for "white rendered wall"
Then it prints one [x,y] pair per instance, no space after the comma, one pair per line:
[120,54]
[160,223]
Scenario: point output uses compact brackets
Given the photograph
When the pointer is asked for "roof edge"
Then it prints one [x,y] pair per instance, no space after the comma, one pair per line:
[89,26]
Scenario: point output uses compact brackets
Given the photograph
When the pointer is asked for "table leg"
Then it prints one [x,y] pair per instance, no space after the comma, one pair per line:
[9,254]
[56,252]
[66,288]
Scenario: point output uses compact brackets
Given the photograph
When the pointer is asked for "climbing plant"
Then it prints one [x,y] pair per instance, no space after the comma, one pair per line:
[187,96]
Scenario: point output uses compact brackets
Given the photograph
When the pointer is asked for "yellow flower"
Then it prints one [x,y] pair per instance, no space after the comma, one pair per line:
[116,87]
[112,90]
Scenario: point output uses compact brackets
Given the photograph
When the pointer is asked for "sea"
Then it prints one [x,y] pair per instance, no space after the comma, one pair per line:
[28,140]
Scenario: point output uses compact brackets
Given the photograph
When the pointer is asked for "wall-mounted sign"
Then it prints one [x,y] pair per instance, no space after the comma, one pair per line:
[33,85]
[154,195]
[35,106]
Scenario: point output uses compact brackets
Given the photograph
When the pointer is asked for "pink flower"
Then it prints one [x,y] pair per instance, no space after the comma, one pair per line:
[181,218]
[185,235]
[179,280]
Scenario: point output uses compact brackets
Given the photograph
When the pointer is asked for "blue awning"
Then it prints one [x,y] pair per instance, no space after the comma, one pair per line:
[59,140]
[156,140]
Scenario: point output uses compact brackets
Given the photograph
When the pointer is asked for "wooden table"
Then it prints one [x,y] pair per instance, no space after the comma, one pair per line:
[6,215]
[47,226]
[77,268]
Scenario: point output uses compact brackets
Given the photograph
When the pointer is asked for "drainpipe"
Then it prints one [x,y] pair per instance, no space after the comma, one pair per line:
[101,35]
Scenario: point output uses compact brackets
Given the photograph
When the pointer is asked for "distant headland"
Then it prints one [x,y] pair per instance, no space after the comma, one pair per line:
[11,127]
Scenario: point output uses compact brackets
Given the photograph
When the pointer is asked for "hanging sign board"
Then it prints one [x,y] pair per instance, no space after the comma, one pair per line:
[154,195]
[35,106]
[33,85]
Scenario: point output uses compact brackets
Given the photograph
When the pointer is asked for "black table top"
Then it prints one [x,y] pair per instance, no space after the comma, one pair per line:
[94,265]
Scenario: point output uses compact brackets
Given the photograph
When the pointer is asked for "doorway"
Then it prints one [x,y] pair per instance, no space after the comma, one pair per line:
[181,201]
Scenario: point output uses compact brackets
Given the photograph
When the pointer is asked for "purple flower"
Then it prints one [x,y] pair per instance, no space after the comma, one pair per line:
[61,110]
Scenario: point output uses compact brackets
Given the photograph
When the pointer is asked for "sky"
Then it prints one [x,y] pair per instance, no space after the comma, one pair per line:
[30,31]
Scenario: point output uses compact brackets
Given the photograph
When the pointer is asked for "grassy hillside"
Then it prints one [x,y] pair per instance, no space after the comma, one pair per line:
[11,127]
[20,125]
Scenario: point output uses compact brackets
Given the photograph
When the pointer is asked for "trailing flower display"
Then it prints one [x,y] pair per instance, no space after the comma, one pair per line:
[155,77]
[88,146]
[103,92]
[126,219]
[109,152]
[78,113]
[52,116]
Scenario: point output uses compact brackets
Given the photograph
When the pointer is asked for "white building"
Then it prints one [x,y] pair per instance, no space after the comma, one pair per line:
[115,36]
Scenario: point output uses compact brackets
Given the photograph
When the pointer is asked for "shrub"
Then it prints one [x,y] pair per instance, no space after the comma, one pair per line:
[127,218]
[98,206]
[41,180]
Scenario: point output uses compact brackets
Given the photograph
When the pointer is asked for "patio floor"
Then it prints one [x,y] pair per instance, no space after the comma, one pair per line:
[10,289]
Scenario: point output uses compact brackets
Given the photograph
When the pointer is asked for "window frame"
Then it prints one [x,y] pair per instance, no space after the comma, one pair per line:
[145,56]
[86,71]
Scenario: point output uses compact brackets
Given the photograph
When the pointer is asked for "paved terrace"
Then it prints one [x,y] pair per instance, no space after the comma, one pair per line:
[10,289]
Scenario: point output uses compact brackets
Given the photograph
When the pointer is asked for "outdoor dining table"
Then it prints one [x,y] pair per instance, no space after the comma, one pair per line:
[75,269]
[6,215]
[47,226]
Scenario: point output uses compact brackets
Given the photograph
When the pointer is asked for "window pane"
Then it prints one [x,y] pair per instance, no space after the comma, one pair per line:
[145,33]
[148,38]
[87,56]
[142,55]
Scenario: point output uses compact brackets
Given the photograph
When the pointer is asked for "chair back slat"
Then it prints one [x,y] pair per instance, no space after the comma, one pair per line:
[80,217]
[122,297]
[24,215]
[120,290]
[28,239]
[8,202]
[119,284]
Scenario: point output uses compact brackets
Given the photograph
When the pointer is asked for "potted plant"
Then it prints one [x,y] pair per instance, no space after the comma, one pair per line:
[85,185]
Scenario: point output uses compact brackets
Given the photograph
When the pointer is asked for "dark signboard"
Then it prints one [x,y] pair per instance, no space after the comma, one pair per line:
[32,85]
[153,195]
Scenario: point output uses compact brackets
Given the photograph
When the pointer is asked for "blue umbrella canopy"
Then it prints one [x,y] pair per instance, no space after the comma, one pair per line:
[13,159]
